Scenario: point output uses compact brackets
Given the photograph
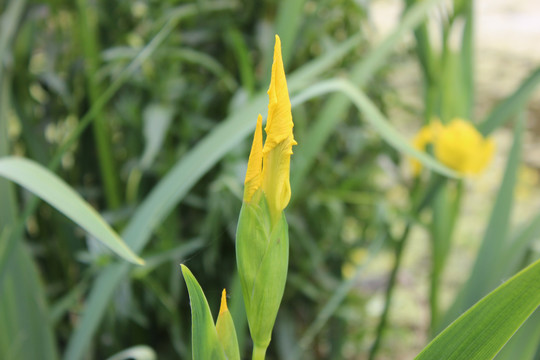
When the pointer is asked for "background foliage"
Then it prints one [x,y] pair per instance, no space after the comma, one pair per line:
[143,108]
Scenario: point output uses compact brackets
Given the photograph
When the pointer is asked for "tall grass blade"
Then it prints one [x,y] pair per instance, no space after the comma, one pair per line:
[467,58]
[25,330]
[61,196]
[520,243]
[203,336]
[375,119]
[9,21]
[525,342]
[481,332]
[89,41]
[26,333]
[511,105]
[484,276]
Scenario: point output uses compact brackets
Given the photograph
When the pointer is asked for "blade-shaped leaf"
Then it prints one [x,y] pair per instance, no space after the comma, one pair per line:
[484,276]
[375,118]
[481,332]
[204,338]
[511,105]
[61,196]
[524,344]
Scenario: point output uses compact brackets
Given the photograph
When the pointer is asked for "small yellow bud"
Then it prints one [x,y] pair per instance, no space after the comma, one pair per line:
[226,332]
[223,307]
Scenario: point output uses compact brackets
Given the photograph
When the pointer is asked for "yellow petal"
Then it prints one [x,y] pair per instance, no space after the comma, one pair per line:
[254,168]
[223,307]
[279,123]
[425,136]
[277,149]
[462,148]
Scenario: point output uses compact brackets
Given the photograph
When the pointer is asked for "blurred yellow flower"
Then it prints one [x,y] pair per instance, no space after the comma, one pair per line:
[423,138]
[269,166]
[457,145]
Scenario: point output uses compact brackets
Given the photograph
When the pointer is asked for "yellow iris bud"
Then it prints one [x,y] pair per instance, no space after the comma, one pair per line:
[269,166]
[262,237]
[457,145]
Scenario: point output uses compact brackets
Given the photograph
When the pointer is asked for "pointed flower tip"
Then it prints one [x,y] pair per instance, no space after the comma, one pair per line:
[279,123]
[223,308]
[253,174]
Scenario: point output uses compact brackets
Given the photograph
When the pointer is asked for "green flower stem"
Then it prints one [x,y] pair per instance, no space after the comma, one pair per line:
[390,291]
[436,183]
[258,352]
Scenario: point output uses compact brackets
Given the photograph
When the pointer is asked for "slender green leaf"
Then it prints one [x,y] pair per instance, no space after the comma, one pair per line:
[58,194]
[87,15]
[26,333]
[484,276]
[481,332]
[525,342]
[9,21]
[467,58]
[520,243]
[511,105]
[203,332]
[236,41]
[25,330]
[375,118]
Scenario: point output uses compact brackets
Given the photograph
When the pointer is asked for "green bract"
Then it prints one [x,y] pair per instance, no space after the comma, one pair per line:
[262,253]
[204,337]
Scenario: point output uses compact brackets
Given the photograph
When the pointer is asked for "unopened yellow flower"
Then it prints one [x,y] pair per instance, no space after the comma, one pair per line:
[269,166]
[457,145]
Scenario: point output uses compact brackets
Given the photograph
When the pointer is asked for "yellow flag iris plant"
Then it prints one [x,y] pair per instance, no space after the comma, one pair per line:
[262,239]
